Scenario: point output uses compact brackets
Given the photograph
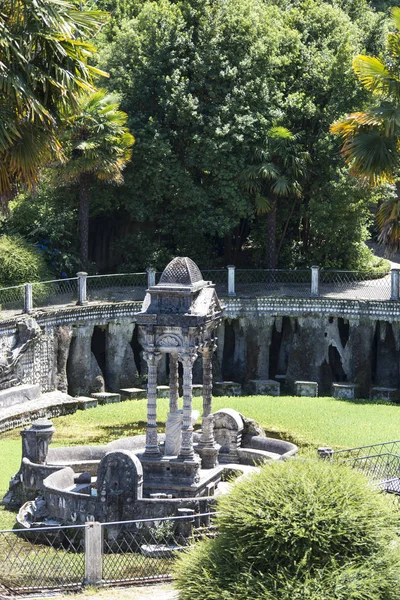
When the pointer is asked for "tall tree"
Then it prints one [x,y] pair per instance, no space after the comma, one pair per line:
[44,67]
[97,147]
[280,165]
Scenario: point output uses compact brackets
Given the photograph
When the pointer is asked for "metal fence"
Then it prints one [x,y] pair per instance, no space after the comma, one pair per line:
[56,558]
[122,287]
[379,462]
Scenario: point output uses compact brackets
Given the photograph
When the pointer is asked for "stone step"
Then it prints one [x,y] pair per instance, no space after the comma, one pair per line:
[344,391]
[306,388]
[263,387]
[163,391]
[385,393]
[227,388]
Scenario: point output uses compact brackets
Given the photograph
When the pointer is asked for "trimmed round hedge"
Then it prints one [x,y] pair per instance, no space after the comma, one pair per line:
[298,530]
[20,262]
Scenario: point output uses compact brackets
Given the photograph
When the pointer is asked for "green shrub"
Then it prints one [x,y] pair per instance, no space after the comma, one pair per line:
[299,530]
[20,262]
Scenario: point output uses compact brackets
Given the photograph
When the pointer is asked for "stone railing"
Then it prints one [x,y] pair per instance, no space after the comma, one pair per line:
[230,283]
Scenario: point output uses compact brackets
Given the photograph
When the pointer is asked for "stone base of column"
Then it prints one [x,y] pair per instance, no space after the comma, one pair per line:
[209,456]
[179,478]
[152,447]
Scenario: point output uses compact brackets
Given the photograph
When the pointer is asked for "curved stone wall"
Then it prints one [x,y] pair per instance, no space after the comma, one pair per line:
[86,349]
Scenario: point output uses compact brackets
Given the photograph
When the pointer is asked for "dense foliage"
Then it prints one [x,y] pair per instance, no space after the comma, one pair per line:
[44,66]
[20,262]
[203,84]
[298,530]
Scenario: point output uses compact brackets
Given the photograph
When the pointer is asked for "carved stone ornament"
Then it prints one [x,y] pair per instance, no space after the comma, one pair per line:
[169,341]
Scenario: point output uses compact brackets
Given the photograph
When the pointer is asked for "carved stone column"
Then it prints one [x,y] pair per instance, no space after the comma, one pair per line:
[173,383]
[152,447]
[187,359]
[208,449]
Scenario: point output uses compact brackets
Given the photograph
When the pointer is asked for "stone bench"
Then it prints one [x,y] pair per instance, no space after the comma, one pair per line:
[163,391]
[132,394]
[227,388]
[344,391]
[197,389]
[106,397]
[306,388]
[264,387]
[84,403]
[385,393]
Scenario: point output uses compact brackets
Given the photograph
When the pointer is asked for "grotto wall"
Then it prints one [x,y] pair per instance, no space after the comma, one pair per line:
[95,347]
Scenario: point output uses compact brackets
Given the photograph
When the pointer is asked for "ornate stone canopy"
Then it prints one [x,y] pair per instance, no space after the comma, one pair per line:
[179,317]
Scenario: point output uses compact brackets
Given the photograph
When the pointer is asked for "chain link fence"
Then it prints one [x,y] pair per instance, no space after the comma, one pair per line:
[281,283]
[55,293]
[41,559]
[277,283]
[116,288]
[355,285]
[57,558]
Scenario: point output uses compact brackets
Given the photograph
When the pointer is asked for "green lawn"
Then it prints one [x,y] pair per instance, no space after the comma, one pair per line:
[309,422]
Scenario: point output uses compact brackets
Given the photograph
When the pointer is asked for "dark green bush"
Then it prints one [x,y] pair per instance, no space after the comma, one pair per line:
[20,262]
[298,531]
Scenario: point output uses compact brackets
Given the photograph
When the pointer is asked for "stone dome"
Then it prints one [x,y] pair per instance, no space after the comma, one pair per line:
[181,270]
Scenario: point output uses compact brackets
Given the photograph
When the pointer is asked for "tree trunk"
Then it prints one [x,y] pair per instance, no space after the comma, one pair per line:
[271,233]
[85,182]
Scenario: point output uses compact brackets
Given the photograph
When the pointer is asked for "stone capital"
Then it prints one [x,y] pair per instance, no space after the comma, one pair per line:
[207,349]
[187,357]
[152,357]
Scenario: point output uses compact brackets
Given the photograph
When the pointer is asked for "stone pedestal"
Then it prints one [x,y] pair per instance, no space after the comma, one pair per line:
[228,430]
[132,394]
[306,388]
[106,397]
[176,476]
[36,440]
[385,393]
[227,388]
[344,391]
[263,387]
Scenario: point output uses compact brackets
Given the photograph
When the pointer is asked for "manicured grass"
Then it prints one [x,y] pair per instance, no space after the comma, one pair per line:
[309,422]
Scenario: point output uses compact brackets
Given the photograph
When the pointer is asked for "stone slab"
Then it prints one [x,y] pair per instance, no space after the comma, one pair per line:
[163,391]
[264,387]
[227,388]
[132,394]
[197,389]
[344,391]
[306,388]
[19,394]
[84,402]
[385,393]
[106,397]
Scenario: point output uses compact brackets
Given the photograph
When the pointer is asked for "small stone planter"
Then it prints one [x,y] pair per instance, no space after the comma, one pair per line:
[264,387]
[344,391]
[306,388]
[197,389]
[132,394]
[106,397]
[227,388]
[385,393]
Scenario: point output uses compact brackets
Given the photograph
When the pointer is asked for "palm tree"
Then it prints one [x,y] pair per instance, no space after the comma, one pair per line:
[97,147]
[277,171]
[44,68]
[370,138]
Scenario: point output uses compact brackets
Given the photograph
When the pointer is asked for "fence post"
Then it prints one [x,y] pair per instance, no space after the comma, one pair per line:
[325,453]
[314,282]
[231,280]
[395,284]
[151,276]
[93,553]
[82,279]
[28,299]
